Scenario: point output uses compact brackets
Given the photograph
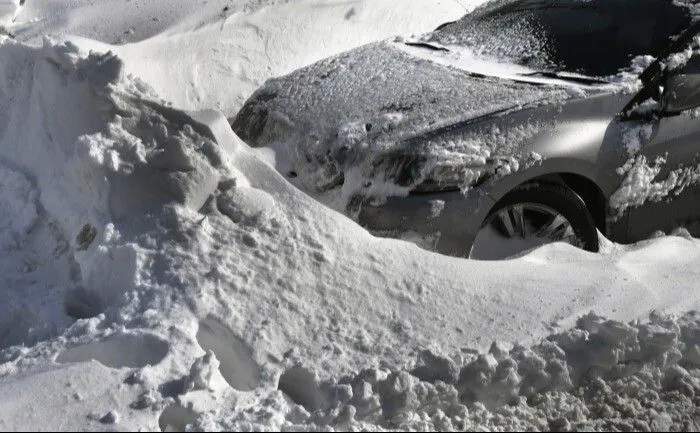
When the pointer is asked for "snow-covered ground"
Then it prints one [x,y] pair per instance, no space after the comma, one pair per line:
[156,274]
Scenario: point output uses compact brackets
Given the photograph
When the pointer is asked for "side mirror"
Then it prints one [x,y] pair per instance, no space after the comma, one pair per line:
[682,92]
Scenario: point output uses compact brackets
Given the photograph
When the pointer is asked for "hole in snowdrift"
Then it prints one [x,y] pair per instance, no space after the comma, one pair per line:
[176,418]
[82,304]
[299,384]
[133,351]
[84,239]
[237,364]
[23,327]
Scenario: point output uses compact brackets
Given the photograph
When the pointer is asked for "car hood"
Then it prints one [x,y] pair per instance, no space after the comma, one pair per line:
[341,111]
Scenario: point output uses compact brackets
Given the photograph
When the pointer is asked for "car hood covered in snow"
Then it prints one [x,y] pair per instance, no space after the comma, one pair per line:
[335,113]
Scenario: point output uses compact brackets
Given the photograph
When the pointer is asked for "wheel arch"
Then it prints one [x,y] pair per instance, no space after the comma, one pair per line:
[587,189]
[592,196]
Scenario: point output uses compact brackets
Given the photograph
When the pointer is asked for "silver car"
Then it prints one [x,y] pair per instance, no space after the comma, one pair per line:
[525,122]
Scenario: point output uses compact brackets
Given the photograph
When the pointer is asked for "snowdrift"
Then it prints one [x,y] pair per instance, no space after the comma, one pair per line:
[223,59]
[155,274]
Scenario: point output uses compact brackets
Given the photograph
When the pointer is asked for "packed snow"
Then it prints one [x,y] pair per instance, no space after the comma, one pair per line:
[157,274]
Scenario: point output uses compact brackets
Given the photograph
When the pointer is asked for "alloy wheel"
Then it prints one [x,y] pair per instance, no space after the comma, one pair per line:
[518,228]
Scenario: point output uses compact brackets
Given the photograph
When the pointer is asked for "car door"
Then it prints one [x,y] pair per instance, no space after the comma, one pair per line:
[670,145]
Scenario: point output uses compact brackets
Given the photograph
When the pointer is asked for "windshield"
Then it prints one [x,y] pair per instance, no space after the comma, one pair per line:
[597,38]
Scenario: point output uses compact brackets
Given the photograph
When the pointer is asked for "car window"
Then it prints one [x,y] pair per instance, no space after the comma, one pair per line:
[682,89]
[692,67]
[595,37]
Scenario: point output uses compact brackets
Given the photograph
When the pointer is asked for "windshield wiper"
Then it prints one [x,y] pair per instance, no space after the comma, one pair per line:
[656,72]
[575,78]
[427,45]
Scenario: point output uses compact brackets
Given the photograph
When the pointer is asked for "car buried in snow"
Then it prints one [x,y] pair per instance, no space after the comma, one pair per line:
[523,123]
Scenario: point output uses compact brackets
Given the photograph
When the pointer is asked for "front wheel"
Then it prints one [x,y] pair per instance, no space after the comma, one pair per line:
[533,215]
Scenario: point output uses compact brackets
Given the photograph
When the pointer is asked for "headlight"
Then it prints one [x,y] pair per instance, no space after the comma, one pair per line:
[251,119]
[402,170]
[424,174]
[452,178]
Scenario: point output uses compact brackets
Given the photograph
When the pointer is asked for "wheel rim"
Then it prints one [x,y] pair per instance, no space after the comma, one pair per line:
[519,228]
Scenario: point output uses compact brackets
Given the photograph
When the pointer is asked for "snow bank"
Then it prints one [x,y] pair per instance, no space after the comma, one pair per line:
[157,274]
[602,375]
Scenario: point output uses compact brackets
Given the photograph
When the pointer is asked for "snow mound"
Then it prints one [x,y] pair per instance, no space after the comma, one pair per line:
[104,160]
[602,375]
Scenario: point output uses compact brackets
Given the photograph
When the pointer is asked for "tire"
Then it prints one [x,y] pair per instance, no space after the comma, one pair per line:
[552,197]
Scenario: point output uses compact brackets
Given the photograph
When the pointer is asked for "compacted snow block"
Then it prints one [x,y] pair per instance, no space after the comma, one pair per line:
[108,155]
